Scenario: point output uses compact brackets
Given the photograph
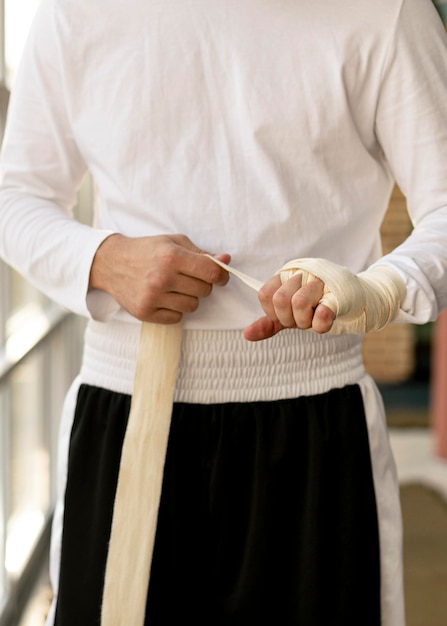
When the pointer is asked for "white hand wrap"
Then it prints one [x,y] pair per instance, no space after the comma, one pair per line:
[362,303]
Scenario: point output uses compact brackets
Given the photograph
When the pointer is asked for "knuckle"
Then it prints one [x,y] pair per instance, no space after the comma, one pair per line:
[303,321]
[182,239]
[168,257]
[164,316]
[325,315]
[206,290]
[192,305]
[323,320]
[280,299]
[216,274]
[141,310]
[157,283]
[300,302]
[264,295]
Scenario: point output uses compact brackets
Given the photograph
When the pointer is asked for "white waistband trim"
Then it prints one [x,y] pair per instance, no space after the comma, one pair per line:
[221,366]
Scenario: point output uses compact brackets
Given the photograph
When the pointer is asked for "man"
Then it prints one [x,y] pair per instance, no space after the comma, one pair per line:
[261,132]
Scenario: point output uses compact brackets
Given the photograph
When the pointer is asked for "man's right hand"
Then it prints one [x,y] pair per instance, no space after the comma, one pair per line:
[156,279]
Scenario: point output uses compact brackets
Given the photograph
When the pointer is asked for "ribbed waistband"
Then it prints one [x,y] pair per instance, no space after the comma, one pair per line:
[221,366]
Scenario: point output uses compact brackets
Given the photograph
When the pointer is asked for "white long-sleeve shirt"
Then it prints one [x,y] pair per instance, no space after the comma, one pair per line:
[269,130]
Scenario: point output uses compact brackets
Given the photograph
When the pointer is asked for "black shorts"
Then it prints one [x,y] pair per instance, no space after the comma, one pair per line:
[267,516]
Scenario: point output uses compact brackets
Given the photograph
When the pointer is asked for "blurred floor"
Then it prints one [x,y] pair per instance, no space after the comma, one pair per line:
[425,554]
[423,479]
[424,506]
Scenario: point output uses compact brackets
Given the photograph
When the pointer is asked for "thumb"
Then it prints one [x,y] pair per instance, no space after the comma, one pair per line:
[186,243]
[223,258]
[263,328]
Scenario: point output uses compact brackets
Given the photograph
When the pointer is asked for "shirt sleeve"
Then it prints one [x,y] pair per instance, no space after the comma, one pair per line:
[412,129]
[41,171]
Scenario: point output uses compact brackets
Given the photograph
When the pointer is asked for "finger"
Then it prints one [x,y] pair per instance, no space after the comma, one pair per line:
[190,286]
[199,266]
[323,319]
[183,257]
[305,301]
[223,276]
[164,316]
[178,303]
[263,328]
[265,296]
[283,299]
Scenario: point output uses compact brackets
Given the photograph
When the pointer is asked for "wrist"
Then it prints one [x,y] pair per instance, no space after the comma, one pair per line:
[105,258]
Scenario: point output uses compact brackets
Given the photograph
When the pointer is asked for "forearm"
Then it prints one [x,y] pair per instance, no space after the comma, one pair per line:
[107,257]
[421,261]
[48,247]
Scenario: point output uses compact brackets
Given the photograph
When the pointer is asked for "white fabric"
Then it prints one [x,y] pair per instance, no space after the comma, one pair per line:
[62,466]
[304,363]
[266,130]
[388,506]
[362,303]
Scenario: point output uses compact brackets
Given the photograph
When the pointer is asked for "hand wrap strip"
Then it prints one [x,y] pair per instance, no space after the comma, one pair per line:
[140,477]
[362,303]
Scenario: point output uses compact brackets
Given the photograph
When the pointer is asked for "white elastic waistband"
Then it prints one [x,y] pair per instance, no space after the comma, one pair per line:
[221,366]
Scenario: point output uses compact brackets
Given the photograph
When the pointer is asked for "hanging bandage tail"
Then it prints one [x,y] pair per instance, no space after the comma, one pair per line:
[362,303]
[140,477]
